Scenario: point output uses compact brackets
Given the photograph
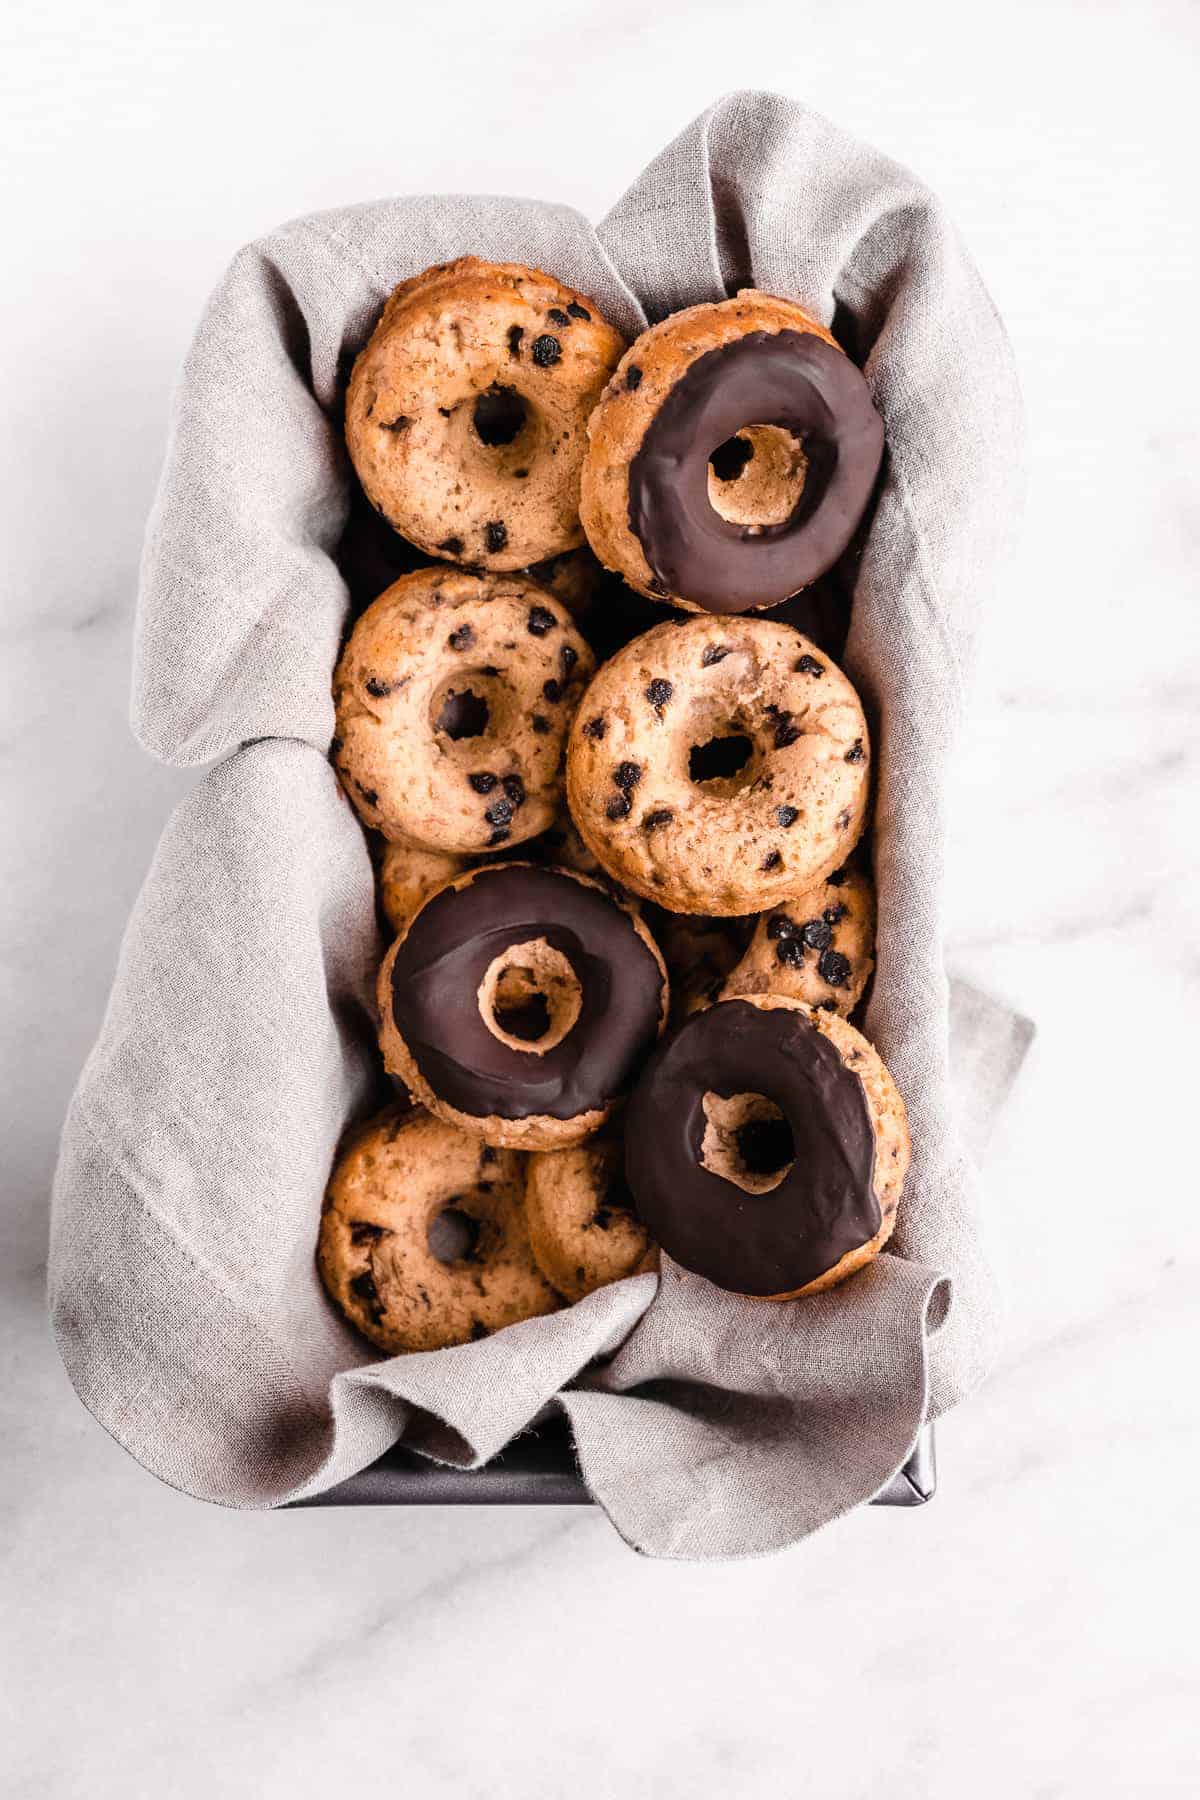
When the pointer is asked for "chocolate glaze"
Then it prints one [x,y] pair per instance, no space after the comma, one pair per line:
[825,1205]
[792,379]
[449,947]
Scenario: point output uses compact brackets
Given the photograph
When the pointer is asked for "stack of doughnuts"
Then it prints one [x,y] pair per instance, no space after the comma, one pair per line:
[617,800]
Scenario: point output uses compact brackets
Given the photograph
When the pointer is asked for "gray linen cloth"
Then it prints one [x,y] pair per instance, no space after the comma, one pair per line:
[238,1040]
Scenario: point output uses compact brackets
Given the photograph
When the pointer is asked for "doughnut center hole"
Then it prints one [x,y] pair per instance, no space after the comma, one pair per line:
[720,759]
[463,714]
[470,708]
[756,478]
[747,1141]
[530,997]
[498,416]
[453,1235]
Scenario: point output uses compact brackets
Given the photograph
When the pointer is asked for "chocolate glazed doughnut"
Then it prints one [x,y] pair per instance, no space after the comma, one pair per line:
[731,458]
[519,1004]
[766,1147]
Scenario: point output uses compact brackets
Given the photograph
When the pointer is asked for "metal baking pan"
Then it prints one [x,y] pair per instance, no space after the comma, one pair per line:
[539,1469]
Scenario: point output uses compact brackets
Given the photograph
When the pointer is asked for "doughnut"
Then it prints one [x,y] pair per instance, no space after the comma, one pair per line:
[582,1224]
[731,458]
[424,1240]
[700,953]
[466,413]
[817,947]
[519,1003]
[453,696]
[766,1148]
[719,765]
[408,876]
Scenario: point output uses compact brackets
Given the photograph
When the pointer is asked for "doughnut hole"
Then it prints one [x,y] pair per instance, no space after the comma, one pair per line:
[530,997]
[493,433]
[723,752]
[756,478]
[453,1233]
[467,707]
[722,758]
[747,1141]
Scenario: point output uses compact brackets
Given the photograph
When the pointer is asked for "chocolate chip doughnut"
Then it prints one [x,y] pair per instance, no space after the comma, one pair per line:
[466,413]
[453,698]
[719,765]
[766,1148]
[732,456]
[818,947]
[582,1224]
[424,1240]
[519,1003]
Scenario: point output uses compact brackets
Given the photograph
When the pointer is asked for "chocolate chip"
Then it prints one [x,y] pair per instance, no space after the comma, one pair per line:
[396,424]
[500,812]
[551,691]
[369,795]
[462,639]
[514,787]
[487,1154]
[546,351]
[837,878]
[515,335]
[817,934]
[843,819]
[335,745]
[364,1289]
[626,775]
[771,860]
[662,815]
[541,620]
[659,692]
[557,316]
[780,926]
[786,815]
[452,546]
[784,728]
[633,378]
[539,723]
[656,586]
[832,914]
[363,1232]
[834,968]
[567,659]
[713,653]
[790,952]
[596,728]
[501,835]
[578,312]
[496,534]
[619,807]
[808,665]
[377,686]
[478,1330]
[856,752]
[483,782]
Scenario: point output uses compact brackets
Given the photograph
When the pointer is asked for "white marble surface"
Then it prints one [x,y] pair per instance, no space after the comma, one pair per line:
[1031,1633]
